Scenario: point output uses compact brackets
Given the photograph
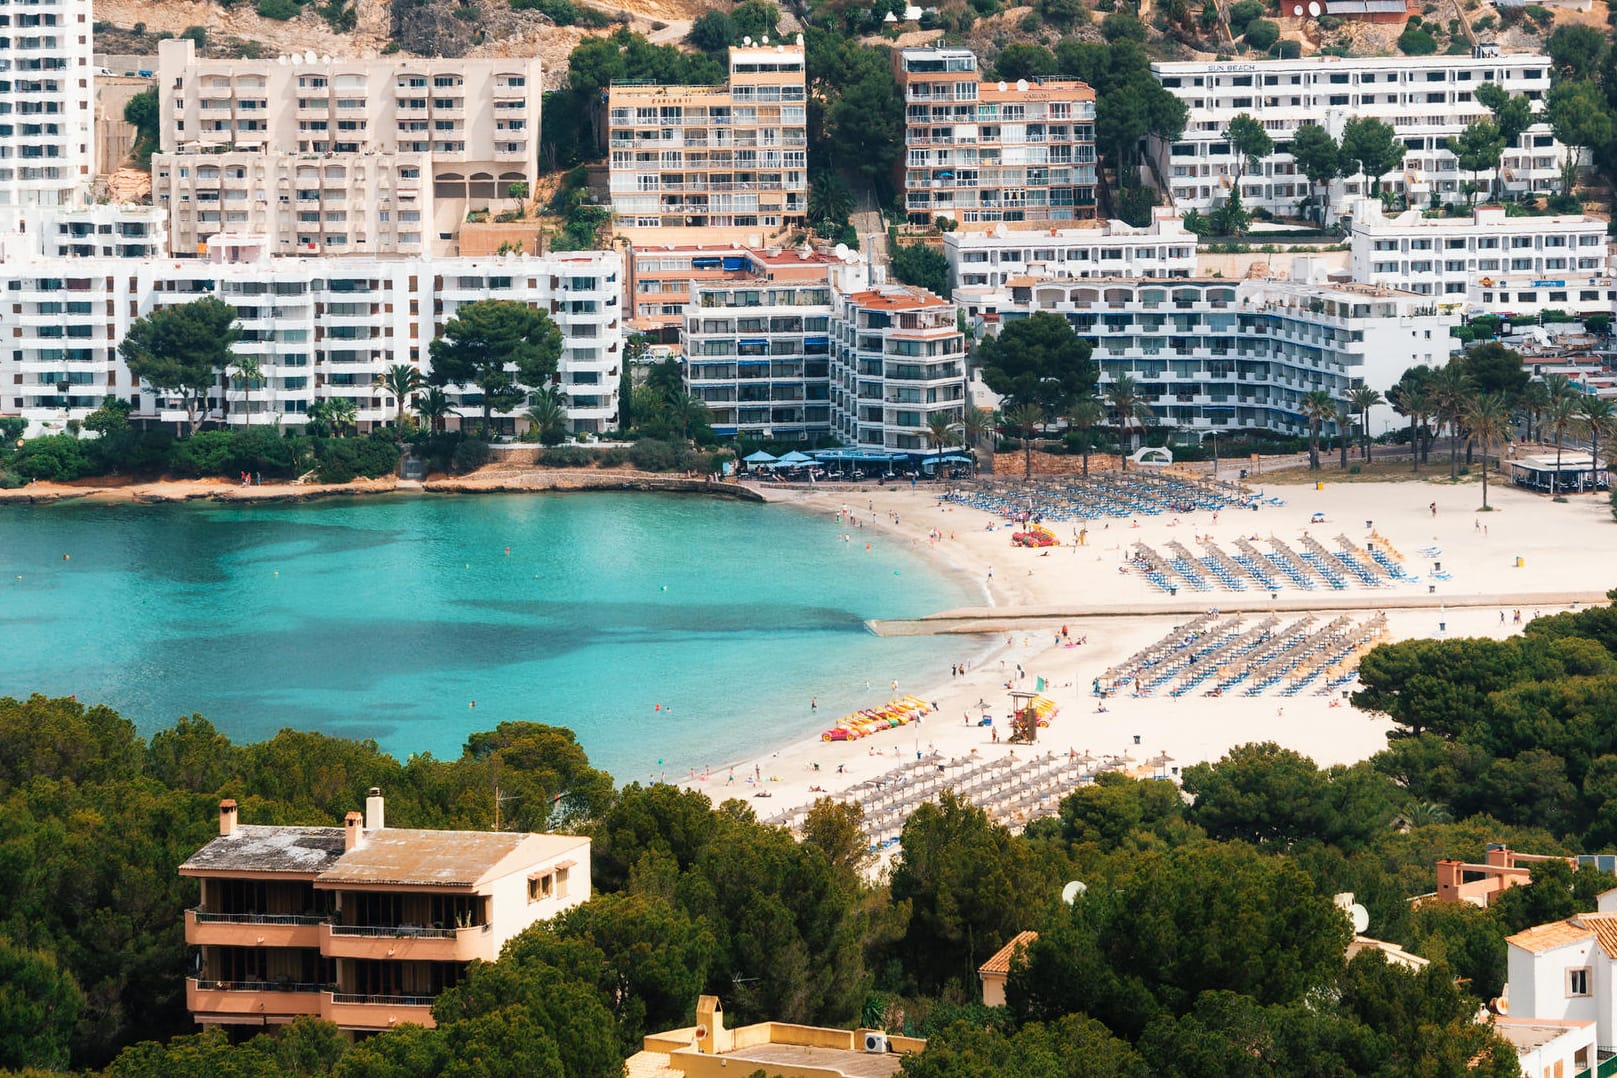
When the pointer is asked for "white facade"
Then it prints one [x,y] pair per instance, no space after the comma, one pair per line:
[1563,973]
[339,156]
[47,118]
[897,361]
[758,354]
[1564,262]
[1111,249]
[1214,354]
[1426,99]
[318,327]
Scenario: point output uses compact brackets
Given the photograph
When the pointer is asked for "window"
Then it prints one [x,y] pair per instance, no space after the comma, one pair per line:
[541,887]
[1577,981]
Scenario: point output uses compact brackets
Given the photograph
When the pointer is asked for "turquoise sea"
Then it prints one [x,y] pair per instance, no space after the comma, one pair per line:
[388,617]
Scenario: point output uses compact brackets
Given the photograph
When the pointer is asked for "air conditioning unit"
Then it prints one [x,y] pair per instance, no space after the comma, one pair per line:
[876,1042]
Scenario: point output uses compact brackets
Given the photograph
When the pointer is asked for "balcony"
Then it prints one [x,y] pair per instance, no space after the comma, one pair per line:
[417,943]
[251,929]
[257,1001]
[375,1012]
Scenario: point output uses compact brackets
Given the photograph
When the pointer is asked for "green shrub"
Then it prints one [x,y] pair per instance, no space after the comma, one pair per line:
[278,9]
[208,452]
[566,456]
[656,455]
[470,455]
[55,458]
[1287,50]
[377,455]
[1262,33]
[1244,12]
[1416,42]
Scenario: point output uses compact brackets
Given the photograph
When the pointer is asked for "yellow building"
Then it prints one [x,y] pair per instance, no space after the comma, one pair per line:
[726,161]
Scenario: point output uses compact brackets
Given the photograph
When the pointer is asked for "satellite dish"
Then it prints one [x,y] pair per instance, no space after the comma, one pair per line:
[1070,893]
[841,250]
[1360,917]
[1297,11]
[746,40]
[310,58]
[800,39]
[1314,8]
[1021,85]
[766,39]
[1002,87]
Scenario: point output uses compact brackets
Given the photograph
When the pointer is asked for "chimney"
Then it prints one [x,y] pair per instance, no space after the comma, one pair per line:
[227,818]
[353,837]
[373,809]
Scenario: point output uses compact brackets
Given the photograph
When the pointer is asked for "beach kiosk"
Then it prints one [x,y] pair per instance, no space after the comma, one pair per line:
[1573,473]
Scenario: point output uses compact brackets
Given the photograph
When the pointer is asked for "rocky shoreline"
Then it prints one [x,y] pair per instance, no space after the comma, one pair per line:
[502,480]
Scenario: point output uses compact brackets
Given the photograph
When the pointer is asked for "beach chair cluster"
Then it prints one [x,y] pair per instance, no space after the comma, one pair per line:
[1309,566]
[874,720]
[1383,553]
[1013,791]
[1435,552]
[1113,495]
[1229,655]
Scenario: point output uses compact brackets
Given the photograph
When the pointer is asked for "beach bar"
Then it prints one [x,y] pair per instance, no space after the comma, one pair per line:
[1574,472]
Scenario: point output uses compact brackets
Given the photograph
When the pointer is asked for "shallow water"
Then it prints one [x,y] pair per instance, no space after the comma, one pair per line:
[387,618]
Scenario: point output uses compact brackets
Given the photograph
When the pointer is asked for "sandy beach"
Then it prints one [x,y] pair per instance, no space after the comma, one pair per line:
[1529,555]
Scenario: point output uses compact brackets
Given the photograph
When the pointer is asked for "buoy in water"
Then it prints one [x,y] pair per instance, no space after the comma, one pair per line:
[508,552]
[67,557]
[665,587]
[472,704]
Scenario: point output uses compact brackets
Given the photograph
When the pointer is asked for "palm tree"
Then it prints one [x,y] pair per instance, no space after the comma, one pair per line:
[1534,400]
[1361,399]
[1130,407]
[974,424]
[1025,419]
[685,411]
[245,371]
[335,414]
[434,408]
[1560,419]
[401,380]
[940,435]
[1085,414]
[1488,420]
[1342,419]
[547,416]
[1598,419]
[1317,408]
[1451,396]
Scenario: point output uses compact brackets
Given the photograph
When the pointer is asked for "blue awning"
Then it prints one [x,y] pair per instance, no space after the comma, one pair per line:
[705,263]
[735,262]
[744,362]
[753,342]
[816,340]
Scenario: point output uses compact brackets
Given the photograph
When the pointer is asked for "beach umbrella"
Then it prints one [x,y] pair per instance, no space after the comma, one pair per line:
[759,457]
[794,457]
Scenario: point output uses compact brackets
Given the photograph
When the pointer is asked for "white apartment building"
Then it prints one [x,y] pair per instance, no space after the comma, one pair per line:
[897,360]
[1426,99]
[1109,249]
[318,328]
[1487,262]
[1214,354]
[340,156]
[757,348]
[730,158]
[47,118]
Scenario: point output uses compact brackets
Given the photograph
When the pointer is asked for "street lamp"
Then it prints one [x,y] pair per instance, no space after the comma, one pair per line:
[1214,433]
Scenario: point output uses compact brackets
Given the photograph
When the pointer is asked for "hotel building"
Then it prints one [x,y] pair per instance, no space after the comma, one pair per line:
[1213,354]
[345,156]
[757,345]
[47,119]
[1426,99]
[731,157]
[980,152]
[1488,262]
[897,361]
[319,327]
[1108,249]
[362,925]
